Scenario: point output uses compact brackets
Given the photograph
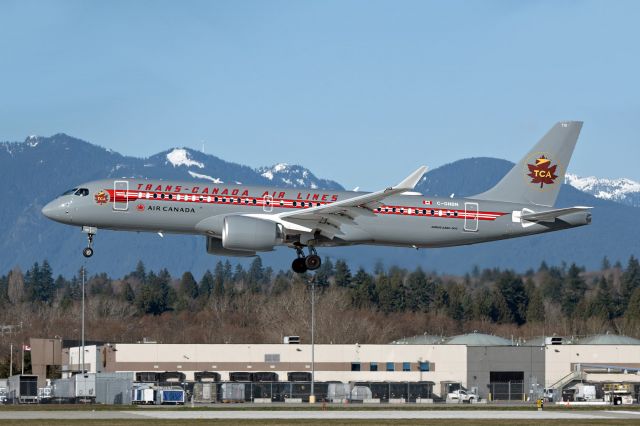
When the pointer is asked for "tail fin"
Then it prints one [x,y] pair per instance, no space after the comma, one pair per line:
[537,178]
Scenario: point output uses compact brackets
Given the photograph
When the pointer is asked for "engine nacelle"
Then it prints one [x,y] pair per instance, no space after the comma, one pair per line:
[214,246]
[249,234]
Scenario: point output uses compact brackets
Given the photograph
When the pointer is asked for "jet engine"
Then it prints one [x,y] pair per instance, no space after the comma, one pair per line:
[249,234]
[214,246]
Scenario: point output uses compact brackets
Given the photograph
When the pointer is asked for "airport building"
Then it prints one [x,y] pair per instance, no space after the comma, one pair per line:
[496,368]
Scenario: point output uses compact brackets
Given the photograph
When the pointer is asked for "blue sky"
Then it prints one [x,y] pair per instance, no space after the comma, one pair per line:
[358,91]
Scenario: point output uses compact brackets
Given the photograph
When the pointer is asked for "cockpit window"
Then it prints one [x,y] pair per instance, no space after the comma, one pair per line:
[83,192]
[69,192]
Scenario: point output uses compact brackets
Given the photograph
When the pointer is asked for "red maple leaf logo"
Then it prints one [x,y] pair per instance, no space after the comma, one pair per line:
[542,171]
[140,207]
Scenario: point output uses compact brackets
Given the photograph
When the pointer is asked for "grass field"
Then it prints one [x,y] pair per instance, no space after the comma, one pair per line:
[174,422]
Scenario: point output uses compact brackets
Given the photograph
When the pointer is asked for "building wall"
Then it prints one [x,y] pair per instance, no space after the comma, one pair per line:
[484,359]
[559,359]
[332,362]
[91,359]
[470,366]
[44,352]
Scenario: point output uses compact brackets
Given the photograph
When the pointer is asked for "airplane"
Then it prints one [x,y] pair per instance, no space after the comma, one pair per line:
[242,220]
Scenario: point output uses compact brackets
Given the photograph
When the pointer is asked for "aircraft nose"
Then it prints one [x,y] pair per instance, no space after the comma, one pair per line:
[54,211]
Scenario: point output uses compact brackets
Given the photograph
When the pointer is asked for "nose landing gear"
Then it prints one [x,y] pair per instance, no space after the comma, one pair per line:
[303,263]
[90,231]
[87,252]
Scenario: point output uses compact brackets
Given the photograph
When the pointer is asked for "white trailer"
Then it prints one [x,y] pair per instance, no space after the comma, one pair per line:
[22,388]
[81,387]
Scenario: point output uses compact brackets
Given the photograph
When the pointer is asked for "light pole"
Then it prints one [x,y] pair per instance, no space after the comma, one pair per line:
[82,355]
[312,397]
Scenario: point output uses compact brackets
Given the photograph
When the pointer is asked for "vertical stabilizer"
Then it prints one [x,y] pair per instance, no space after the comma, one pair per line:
[537,178]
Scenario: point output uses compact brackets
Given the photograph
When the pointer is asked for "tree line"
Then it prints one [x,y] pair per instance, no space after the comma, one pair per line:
[258,304]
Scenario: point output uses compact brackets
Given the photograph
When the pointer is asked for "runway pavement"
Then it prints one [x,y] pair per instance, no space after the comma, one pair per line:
[327,415]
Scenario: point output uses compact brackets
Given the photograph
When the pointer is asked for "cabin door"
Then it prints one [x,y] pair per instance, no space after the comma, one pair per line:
[471,217]
[121,195]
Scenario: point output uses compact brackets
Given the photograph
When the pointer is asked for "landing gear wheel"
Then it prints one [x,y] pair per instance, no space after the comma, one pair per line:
[312,262]
[87,252]
[298,265]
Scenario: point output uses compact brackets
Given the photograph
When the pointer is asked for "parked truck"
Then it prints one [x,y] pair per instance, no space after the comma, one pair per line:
[585,392]
[462,396]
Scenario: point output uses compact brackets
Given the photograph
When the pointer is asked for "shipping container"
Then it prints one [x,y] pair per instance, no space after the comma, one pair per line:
[204,392]
[172,396]
[22,388]
[81,387]
[143,395]
[338,392]
[233,392]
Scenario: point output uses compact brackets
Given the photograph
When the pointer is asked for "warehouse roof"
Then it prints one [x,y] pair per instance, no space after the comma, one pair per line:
[608,339]
[478,339]
[420,339]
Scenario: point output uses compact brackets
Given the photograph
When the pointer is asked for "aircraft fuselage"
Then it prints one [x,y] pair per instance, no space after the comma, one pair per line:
[199,208]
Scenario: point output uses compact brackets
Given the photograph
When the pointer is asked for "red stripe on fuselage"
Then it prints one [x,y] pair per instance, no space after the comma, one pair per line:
[121,196]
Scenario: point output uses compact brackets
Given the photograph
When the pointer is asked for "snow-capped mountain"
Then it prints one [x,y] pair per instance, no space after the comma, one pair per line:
[622,190]
[292,176]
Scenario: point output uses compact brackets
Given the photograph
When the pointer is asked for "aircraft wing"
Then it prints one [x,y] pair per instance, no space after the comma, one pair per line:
[329,218]
[362,204]
[552,215]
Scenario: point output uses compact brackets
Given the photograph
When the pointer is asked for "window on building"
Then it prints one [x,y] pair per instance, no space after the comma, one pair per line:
[406,366]
[390,366]
[270,358]
[373,366]
[424,366]
[355,366]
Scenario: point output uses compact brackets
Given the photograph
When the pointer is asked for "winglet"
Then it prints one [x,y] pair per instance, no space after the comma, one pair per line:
[412,180]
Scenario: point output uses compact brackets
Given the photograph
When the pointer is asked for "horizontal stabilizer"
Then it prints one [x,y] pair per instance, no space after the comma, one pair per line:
[552,215]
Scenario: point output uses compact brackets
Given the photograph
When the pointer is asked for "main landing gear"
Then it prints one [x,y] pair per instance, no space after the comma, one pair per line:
[90,231]
[303,263]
